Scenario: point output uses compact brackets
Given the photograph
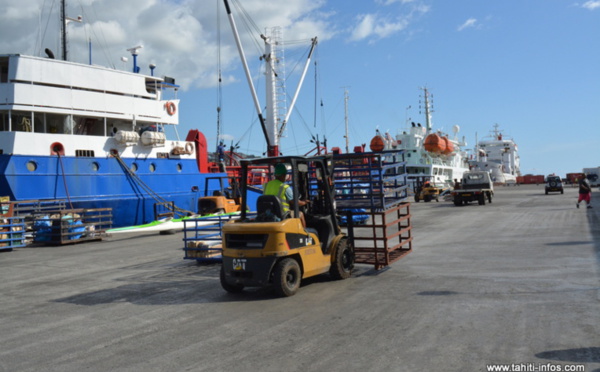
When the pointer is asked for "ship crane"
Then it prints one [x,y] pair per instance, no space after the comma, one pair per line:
[269,125]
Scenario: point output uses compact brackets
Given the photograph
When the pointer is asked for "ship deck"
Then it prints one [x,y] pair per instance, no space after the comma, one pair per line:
[512,282]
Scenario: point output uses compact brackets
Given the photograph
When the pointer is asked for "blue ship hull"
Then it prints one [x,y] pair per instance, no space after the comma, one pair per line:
[93,182]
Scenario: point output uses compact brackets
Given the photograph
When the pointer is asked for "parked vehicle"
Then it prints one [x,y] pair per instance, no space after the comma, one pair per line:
[475,186]
[554,184]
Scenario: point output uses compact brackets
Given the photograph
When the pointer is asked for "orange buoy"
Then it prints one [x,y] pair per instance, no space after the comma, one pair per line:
[434,143]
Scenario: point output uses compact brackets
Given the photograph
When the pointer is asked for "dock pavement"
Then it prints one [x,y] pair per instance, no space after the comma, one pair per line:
[513,284]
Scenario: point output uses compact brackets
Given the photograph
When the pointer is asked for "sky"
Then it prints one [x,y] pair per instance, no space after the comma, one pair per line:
[530,66]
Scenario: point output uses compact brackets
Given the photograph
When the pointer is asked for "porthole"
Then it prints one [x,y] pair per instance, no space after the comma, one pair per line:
[31,166]
[152,167]
[179,167]
[95,166]
[134,167]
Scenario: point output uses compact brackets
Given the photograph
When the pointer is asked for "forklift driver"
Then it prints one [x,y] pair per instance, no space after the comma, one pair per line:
[279,188]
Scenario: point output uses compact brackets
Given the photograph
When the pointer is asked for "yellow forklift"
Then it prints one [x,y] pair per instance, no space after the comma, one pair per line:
[425,190]
[222,201]
[275,248]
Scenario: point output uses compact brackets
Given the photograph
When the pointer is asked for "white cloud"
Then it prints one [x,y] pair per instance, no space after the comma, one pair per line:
[471,22]
[379,26]
[179,36]
[591,4]
[388,2]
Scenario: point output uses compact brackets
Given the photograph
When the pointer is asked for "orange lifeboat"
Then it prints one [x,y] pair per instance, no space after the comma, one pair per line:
[449,146]
[377,143]
[434,143]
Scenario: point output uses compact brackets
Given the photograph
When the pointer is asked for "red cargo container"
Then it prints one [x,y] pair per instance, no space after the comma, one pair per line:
[530,179]
[574,177]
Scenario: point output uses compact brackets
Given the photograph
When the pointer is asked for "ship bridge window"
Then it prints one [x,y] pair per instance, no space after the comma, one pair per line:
[87,125]
[4,70]
[56,123]
[4,121]
[21,121]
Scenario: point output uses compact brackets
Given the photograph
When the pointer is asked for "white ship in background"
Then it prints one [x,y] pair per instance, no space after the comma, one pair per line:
[430,153]
[499,156]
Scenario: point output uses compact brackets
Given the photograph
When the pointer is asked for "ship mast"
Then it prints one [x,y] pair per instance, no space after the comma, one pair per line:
[270,128]
[427,110]
[346,120]
[64,21]
[63,29]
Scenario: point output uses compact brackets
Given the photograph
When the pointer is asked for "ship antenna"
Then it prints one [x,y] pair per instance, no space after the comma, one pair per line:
[134,53]
[64,21]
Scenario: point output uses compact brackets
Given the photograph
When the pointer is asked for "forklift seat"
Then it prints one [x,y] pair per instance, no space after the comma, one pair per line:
[270,205]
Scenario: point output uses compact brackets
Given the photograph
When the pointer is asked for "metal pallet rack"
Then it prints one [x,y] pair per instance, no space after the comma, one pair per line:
[72,225]
[375,184]
[12,233]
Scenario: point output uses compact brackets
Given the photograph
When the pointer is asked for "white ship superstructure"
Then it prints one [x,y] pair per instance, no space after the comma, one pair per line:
[432,153]
[499,156]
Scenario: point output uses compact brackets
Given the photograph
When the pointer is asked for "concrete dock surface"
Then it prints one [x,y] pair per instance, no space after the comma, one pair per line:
[512,283]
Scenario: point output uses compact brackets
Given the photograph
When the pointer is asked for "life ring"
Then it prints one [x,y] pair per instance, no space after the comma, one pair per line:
[189,147]
[171,108]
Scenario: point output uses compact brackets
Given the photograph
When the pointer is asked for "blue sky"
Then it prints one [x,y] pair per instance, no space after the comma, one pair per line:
[531,66]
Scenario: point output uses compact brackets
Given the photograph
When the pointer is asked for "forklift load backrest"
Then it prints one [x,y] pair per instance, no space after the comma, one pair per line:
[268,206]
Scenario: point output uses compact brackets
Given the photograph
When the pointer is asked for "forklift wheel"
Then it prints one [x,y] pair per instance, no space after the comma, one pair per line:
[231,288]
[342,266]
[287,277]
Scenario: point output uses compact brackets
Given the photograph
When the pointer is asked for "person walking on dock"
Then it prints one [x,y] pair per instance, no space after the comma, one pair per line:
[585,192]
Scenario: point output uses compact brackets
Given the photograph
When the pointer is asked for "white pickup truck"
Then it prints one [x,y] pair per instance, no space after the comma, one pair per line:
[475,186]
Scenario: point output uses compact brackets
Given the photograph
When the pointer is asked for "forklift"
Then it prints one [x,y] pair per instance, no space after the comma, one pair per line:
[224,200]
[425,190]
[275,248]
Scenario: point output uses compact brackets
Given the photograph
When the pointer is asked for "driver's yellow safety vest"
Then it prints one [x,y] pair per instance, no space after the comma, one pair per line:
[277,188]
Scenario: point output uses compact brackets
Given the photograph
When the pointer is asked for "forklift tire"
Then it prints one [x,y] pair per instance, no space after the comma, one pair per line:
[342,266]
[427,198]
[287,277]
[231,288]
